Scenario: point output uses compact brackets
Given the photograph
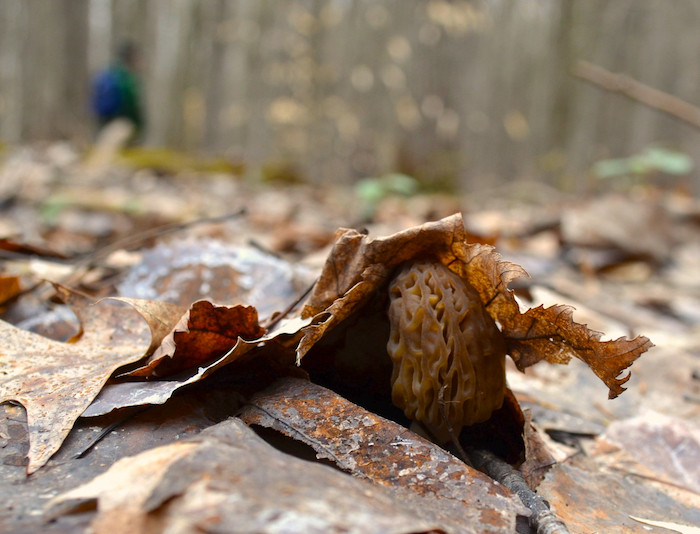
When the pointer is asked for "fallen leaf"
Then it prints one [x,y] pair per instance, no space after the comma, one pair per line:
[25,249]
[284,336]
[161,317]
[591,501]
[654,445]
[56,381]
[551,334]
[358,266]
[683,529]
[229,480]
[206,269]
[9,288]
[440,487]
[204,332]
[615,222]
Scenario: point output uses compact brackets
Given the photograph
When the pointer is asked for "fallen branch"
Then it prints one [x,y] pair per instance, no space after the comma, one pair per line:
[542,519]
[631,88]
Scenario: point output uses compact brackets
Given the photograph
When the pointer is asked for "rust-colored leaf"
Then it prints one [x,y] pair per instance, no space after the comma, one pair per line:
[9,288]
[285,335]
[610,499]
[439,486]
[551,334]
[204,332]
[227,479]
[358,266]
[56,381]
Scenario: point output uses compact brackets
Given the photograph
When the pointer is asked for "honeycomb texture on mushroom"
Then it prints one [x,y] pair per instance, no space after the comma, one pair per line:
[441,335]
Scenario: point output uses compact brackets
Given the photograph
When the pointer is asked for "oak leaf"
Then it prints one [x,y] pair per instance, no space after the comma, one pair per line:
[56,381]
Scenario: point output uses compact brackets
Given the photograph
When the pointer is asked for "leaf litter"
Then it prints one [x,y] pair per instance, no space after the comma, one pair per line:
[356,269]
[558,336]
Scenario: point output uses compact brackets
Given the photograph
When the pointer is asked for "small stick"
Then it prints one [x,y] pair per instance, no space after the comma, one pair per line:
[271,322]
[631,88]
[542,519]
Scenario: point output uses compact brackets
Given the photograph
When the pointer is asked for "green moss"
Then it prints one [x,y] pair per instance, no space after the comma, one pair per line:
[281,172]
[170,161]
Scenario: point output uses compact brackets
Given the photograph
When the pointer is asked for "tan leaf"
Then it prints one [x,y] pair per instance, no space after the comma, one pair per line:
[161,317]
[56,381]
[677,527]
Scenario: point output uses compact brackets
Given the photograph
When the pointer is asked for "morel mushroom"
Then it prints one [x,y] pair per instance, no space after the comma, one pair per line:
[442,338]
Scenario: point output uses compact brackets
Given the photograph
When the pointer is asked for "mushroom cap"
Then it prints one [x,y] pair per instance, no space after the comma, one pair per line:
[442,339]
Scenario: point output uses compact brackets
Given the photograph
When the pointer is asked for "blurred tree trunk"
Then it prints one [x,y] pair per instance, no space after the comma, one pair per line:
[473,92]
[75,73]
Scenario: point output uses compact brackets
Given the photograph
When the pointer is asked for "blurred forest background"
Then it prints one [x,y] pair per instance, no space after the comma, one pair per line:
[460,94]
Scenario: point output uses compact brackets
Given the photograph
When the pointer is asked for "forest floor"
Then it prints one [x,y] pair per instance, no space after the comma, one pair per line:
[626,261]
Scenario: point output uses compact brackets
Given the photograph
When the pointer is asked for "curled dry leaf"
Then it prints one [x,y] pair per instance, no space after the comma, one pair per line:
[161,317]
[204,332]
[56,381]
[359,266]
[284,335]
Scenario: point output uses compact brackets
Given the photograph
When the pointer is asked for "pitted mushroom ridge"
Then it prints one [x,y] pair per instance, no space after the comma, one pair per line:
[441,335]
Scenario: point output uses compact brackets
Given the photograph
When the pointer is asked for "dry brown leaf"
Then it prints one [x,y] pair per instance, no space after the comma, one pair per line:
[590,500]
[358,266]
[229,480]
[161,317]
[551,334]
[56,381]
[114,396]
[653,445]
[439,487]
[10,287]
[204,332]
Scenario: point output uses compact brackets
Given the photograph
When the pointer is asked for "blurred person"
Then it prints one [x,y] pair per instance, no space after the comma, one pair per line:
[116,91]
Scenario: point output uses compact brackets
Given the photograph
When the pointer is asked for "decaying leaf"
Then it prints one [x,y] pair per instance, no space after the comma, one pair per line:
[204,269]
[9,288]
[118,395]
[610,500]
[56,381]
[161,317]
[204,332]
[373,448]
[229,480]
[677,527]
[656,446]
[358,266]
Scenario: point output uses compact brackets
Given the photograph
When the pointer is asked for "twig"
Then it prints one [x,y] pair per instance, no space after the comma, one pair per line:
[272,321]
[631,88]
[542,518]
